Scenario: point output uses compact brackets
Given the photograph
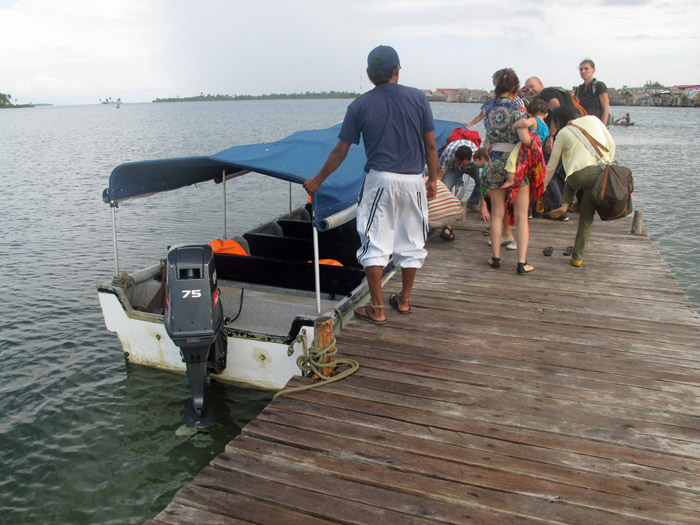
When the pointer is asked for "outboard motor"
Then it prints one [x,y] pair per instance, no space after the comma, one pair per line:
[193,320]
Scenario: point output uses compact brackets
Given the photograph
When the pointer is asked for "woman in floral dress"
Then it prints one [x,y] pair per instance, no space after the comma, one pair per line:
[499,117]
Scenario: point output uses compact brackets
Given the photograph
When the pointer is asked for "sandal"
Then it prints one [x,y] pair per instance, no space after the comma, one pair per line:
[362,314]
[522,270]
[548,251]
[494,262]
[569,250]
[394,302]
[447,234]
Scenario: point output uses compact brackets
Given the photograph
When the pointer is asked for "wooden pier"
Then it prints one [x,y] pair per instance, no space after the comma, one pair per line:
[568,395]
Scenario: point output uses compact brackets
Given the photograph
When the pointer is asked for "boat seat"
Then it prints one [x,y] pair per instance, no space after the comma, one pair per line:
[285,273]
[297,249]
[346,233]
[271,228]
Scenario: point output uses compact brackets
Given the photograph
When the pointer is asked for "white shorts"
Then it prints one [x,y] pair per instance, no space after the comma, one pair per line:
[392,219]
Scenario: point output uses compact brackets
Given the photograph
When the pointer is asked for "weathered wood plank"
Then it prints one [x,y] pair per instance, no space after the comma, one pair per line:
[527,412]
[549,381]
[542,451]
[457,451]
[680,467]
[543,491]
[547,344]
[366,468]
[175,513]
[314,504]
[680,411]
[233,505]
[514,352]
[332,481]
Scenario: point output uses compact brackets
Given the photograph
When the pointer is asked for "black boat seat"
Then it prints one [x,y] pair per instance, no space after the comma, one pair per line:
[285,273]
[346,233]
[296,249]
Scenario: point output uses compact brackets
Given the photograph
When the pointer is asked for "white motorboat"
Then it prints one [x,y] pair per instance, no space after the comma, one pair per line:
[294,268]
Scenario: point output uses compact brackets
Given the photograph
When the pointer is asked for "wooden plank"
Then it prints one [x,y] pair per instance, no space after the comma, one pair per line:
[317,507]
[527,412]
[332,481]
[635,361]
[515,508]
[544,380]
[473,333]
[528,448]
[238,507]
[526,353]
[680,467]
[537,489]
[678,405]
[175,513]
[454,449]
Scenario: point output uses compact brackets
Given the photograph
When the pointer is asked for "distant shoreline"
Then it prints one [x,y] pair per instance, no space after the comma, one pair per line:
[272,96]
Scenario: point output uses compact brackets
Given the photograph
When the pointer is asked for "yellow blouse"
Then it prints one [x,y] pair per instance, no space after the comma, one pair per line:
[573,153]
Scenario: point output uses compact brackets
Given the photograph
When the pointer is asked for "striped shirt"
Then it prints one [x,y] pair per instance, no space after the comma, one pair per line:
[448,160]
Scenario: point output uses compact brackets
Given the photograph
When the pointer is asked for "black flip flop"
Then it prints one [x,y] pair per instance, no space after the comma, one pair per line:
[548,251]
[447,234]
[569,250]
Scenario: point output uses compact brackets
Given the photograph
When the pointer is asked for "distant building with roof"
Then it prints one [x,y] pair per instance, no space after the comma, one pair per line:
[632,97]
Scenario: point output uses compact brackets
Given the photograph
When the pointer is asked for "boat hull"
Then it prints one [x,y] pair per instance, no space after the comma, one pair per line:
[250,361]
[258,360]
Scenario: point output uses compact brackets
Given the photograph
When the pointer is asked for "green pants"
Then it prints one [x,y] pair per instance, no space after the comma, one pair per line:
[583,179]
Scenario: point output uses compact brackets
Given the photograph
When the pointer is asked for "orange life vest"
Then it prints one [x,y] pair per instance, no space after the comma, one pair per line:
[227,246]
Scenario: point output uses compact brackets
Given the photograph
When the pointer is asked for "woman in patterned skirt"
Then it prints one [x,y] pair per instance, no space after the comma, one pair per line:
[499,117]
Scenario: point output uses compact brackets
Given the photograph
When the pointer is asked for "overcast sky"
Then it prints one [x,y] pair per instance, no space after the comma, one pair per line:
[81,51]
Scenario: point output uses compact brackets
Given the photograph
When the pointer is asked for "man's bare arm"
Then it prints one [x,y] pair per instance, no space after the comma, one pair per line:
[431,159]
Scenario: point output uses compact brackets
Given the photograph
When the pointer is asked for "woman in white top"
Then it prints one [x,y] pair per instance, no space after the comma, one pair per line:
[582,167]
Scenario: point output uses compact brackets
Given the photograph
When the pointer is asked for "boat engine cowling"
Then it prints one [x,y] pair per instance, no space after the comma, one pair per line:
[193,320]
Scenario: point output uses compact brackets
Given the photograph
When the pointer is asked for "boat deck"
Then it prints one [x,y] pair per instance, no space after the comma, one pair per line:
[266,310]
[569,395]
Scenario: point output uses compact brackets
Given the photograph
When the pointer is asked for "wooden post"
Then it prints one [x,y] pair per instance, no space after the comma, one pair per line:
[323,330]
[638,223]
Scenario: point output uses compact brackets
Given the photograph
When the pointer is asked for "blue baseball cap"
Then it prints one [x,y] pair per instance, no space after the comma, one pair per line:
[382,57]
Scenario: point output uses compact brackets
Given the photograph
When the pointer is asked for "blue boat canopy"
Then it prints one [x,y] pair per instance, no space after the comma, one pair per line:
[294,158]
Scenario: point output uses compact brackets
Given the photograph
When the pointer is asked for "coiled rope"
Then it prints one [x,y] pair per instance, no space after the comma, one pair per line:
[125,282]
[315,362]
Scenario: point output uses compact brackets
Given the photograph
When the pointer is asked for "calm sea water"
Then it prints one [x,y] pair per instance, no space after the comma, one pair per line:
[86,438]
